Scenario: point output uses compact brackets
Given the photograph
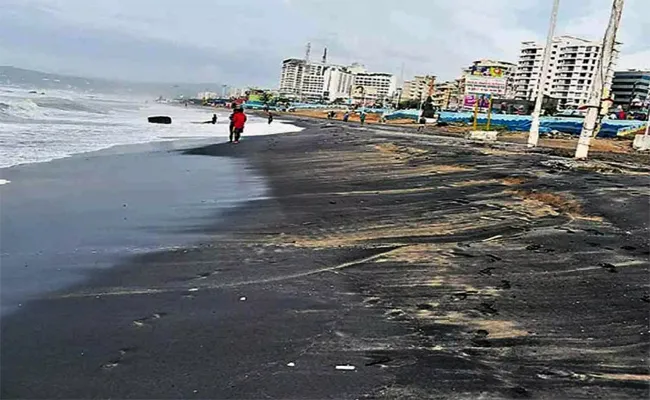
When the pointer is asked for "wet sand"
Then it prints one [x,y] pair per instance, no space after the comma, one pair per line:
[437,268]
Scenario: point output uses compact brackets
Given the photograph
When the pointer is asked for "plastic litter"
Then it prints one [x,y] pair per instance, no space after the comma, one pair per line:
[492,238]
[193,289]
[291,364]
[243,298]
[346,367]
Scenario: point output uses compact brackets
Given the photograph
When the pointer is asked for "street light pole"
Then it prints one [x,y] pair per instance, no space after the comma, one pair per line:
[602,70]
[533,135]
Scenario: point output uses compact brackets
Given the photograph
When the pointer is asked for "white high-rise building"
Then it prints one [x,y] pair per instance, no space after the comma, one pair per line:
[371,87]
[417,88]
[312,81]
[337,83]
[570,72]
[207,95]
[316,81]
[291,77]
[302,79]
[236,92]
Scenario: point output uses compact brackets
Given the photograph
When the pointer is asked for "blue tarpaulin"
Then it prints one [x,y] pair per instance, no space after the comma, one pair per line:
[403,114]
[521,123]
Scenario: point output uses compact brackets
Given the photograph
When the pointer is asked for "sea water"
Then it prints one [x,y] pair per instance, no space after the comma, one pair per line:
[38,127]
[67,210]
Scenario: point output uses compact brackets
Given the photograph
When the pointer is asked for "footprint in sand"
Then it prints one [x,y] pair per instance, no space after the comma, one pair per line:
[487,271]
[142,322]
[487,308]
[116,361]
[480,338]
[505,284]
[459,296]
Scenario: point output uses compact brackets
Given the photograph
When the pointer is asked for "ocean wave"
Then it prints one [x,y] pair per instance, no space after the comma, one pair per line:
[16,109]
[61,104]
[19,109]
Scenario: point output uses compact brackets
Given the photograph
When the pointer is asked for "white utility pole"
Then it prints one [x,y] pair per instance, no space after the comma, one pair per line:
[600,77]
[533,136]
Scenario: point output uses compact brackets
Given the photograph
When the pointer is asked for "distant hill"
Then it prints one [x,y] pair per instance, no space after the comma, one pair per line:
[43,81]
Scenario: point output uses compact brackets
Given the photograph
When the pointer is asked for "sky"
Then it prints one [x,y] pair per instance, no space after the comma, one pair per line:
[243,42]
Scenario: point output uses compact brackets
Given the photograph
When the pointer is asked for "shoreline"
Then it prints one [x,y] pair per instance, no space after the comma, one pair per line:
[67,218]
[436,267]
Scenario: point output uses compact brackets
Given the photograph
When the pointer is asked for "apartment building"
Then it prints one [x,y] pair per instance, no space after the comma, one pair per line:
[570,73]
[337,83]
[291,77]
[300,79]
[207,95]
[377,86]
[417,88]
[446,95]
[314,81]
[631,88]
[234,92]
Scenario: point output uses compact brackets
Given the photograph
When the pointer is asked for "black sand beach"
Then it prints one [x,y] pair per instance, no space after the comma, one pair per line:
[436,267]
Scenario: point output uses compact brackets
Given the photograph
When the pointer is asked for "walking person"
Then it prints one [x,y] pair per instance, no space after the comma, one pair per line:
[238,122]
[346,116]
[422,121]
[270,118]
[362,117]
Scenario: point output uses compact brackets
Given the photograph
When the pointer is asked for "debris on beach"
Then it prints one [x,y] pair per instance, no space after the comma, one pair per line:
[492,238]
[160,119]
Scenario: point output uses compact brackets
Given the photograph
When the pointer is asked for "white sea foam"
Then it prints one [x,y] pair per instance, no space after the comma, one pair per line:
[38,128]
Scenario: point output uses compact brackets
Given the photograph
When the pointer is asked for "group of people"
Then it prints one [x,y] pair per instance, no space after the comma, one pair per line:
[362,117]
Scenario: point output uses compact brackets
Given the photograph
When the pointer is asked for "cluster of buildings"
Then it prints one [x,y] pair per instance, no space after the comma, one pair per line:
[311,81]
[227,92]
[569,75]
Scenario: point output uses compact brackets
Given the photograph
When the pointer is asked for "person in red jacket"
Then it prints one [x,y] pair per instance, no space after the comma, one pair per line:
[238,122]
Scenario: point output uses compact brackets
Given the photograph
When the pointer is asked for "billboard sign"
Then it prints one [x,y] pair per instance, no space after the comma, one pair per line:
[470,100]
[493,72]
[485,85]
[360,91]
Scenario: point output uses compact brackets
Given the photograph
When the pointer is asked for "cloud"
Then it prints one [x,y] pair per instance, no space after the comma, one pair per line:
[636,60]
[243,42]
